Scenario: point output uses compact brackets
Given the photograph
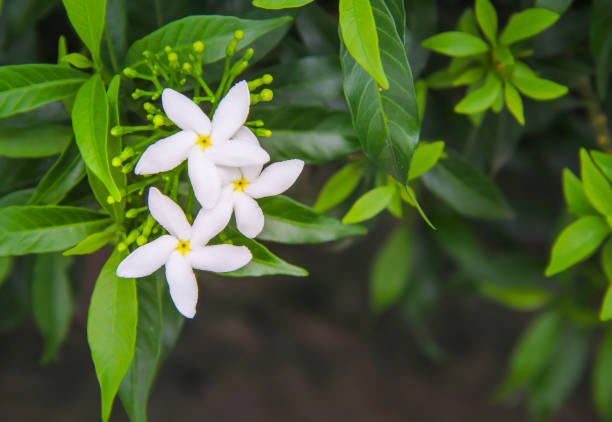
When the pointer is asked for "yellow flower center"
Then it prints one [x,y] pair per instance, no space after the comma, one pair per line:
[183,247]
[203,141]
[240,184]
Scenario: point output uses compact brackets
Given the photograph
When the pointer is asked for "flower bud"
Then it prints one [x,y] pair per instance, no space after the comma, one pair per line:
[267,79]
[116,131]
[248,54]
[158,120]
[131,213]
[187,67]
[172,57]
[126,153]
[141,240]
[110,200]
[198,46]
[266,95]
[129,72]
[121,246]
[116,162]
[149,108]
[239,34]
[167,49]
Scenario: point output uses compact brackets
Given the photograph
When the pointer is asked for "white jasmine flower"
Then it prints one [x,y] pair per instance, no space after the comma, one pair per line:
[183,249]
[203,143]
[241,186]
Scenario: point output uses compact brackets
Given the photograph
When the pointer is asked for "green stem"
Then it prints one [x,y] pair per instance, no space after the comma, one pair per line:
[158,16]
[111,50]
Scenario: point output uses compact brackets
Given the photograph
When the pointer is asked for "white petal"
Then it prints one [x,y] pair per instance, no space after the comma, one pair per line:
[238,154]
[182,283]
[220,258]
[185,113]
[146,259]
[167,153]
[245,134]
[228,174]
[167,213]
[275,179]
[249,217]
[209,223]
[231,113]
[204,178]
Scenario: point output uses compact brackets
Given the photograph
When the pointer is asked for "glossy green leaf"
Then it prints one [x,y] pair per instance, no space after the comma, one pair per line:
[263,263]
[38,229]
[339,186]
[313,134]
[425,157]
[577,242]
[90,121]
[391,269]
[280,4]
[575,198]
[596,187]
[605,313]
[111,329]
[159,325]
[466,189]
[456,44]
[77,60]
[532,352]
[359,32]
[214,31]
[604,162]
[87,18]
[487,19]
[65,174]
[93,242]
[386,121]
[34,141]
[288,221]
[602,377]
[481,98]
[115,145]
[538,88]
[514,102]
[526,24]
[51,301]
[29,86]
[369,204]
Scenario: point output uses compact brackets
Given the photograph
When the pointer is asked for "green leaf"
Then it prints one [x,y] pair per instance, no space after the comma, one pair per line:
[90,121]
[313,134]
[38,229]
[214,31]
[18,197]
[605,313]
[65,174]
[558,6]
[87,18]
[487,19]
[93,242]
[339,186]
[318,30]
[51,301]
[602,377]
[481,98]
[596,186]
[514,102]
[288,221]
[469,76]
[421,22]
[420,90]
[577,242]
[34,141]
[425,157]
[466,189]
[538,88]
[29,86]
[369,204]
[532,353]
[409,196]
[577,202]
[111,329]
[116,12]
[604,162]
[391,269]
[600,42]
[386,121]
[263,263]
[456,44]
[159,325]
[115,145]
[359,32]
[280,4]
[526,24]
[77,60]
[6,265]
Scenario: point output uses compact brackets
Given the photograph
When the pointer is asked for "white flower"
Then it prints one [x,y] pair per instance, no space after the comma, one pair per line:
[241,186]
[182,250]
[202,143]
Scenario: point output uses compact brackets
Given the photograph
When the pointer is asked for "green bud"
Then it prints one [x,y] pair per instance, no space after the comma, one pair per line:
[141,240]
[150,108]
[116,162]
[116,131]
[198,46]
[167,49]
[126,153]
[267,79]
[147,54]
[187,67]
[121,246]
[129,72]
[172,57]
[264,133]
[110,200]
[239,34]
[131,213]
[266,95]
[248,54]
[158,120]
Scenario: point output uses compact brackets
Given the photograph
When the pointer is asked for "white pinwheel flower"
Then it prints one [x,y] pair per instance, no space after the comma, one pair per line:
[204,144]
[183,250]
[241,186]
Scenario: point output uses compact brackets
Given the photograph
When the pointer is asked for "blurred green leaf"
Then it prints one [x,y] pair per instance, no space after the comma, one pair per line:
[421,22]
[538,88]
[29,86]
[6,265]
[526,24]
[425,157]
[93,242]
[456,44]
[18,197]
[111,329]
[280,4]
[339,186]
[359,32]
[487,19]
[51,301]
[577,242]
[514,102]
[38,229]
[288,221]
[596,186]
[114,146]
[87,18]
[558,6]
[481,98]
[34,141]
[605,313]
[318,30]
[577,202]
[602,377]
[600,41]
[469,76]
[369,204]
[77,60]
[604,162]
